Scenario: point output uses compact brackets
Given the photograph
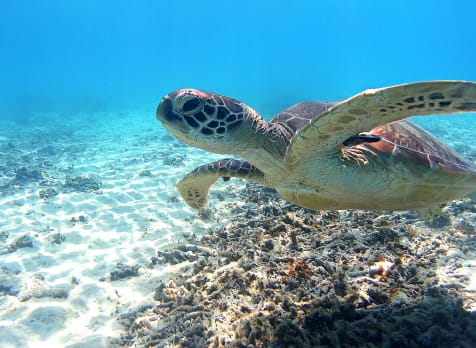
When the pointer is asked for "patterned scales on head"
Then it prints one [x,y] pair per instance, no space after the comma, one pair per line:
[357,154]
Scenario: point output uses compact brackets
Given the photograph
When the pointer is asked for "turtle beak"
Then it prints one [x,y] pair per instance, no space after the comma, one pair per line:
[171,121]
[165,111]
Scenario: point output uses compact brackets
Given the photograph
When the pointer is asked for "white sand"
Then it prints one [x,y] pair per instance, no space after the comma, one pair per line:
[127,222]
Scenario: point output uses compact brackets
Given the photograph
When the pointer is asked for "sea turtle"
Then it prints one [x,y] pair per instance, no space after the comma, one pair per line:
[355,154]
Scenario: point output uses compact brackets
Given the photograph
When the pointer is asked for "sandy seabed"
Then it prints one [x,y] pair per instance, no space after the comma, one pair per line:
[98,250]
[85,205]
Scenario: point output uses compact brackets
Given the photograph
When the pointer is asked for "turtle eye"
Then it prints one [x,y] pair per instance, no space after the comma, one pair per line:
[191,104]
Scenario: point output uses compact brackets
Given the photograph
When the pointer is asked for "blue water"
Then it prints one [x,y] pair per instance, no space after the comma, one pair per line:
[94,55]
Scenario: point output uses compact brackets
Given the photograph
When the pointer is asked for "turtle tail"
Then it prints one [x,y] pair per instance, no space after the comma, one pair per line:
[195,185]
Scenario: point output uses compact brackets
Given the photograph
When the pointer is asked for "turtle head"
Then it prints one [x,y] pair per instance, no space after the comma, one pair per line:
[207,120]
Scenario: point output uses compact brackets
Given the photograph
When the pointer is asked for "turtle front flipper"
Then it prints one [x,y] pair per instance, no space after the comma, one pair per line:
[195,185]
[376,107]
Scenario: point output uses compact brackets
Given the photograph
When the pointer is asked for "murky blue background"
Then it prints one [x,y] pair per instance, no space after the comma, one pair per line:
[107,55]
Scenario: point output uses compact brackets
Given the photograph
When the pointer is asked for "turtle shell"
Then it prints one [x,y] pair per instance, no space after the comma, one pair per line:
[405,141]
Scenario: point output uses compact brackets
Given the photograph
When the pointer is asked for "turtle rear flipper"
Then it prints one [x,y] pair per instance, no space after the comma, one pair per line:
[195,185]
